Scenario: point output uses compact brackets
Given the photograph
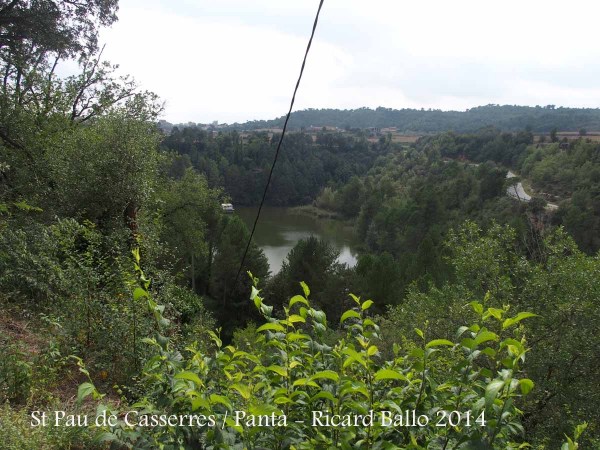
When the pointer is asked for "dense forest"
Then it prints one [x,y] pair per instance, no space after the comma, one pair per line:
[539,119]
[469,321]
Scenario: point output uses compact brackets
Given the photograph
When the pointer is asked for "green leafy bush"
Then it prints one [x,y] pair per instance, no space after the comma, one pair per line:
[464,389]
[15,374]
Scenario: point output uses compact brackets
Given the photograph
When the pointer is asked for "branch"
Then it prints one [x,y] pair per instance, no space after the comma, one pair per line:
[86,84]
[14,144]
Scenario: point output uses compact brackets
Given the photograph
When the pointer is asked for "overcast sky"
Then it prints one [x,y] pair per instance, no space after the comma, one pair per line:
[238,60]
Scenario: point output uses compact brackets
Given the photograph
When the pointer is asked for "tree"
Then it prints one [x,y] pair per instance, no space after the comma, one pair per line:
[190,215]
[62,27]
[313,261]
[230,294]
[103,173]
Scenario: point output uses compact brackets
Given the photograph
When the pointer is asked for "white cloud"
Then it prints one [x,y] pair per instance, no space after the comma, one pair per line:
[235,60]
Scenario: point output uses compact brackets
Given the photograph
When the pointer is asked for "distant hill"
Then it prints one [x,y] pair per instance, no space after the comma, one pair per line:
[505,117]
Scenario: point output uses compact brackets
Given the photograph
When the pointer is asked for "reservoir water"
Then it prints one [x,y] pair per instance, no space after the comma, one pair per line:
[279,229]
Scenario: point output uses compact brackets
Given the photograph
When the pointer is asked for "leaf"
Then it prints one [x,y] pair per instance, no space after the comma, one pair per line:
[420,333]
[522,315]
[262,409]
[199,402]
[485,336]
[369,323]
[215,398]
[215,338]
[319,316]
[190,376]
[304,382]
[295,336]
[271,326]
[278,369]
[438,342]
[106,436]
[329,374]
[372,350]
[139,293]
[477,307]
[494,312]
[296,318]
[298,299]
[84,390]
[389,374]
[305,289]
[491,391]
[526,385]
[242,389]
[325,395]
[348,314]
[366,305]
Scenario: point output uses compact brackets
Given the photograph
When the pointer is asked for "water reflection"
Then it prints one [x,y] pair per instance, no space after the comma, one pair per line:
[279,229]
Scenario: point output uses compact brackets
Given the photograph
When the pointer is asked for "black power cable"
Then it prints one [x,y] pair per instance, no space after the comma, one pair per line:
[287,118]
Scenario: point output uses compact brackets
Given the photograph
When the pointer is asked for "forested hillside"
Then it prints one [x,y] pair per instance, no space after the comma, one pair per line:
[469,312]
[505,117]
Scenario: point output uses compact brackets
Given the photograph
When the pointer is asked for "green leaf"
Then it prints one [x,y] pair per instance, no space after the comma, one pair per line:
[190,376]
[295,336]
[84,390]
[296,318]
[325,395]
[366,305]
[485,336]
[523,315]
[494,312]
[105,436]
[329,374]
[242,389]
[438,342]
[199,402]
[283,399]
[262,409]
[215,398]
[271,326]
[389,374]
[526,385]
[304,382]
[420,333]
[491,391]
[278,369]
[319,316]
[477,307]
[298,299]
[369,323]
[139,293]
[305,289]
[348,314]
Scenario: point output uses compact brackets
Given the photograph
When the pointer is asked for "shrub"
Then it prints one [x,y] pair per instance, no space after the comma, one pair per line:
[464,389]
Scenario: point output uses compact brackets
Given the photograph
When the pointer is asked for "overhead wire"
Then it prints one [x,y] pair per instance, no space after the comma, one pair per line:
[287,118]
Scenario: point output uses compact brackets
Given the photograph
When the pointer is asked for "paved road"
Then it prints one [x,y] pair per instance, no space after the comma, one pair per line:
[516,190]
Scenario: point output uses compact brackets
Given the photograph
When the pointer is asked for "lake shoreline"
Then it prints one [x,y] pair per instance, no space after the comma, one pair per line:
[280,228]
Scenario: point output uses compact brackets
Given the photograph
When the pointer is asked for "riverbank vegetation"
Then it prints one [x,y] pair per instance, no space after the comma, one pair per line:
[121,287]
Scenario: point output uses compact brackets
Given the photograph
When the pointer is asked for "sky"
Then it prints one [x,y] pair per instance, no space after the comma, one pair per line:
[238,60]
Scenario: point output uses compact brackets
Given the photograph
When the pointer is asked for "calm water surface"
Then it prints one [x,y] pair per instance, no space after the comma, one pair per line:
[279,229]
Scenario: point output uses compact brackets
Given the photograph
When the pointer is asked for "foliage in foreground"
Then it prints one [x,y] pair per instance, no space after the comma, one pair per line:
[464,389]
